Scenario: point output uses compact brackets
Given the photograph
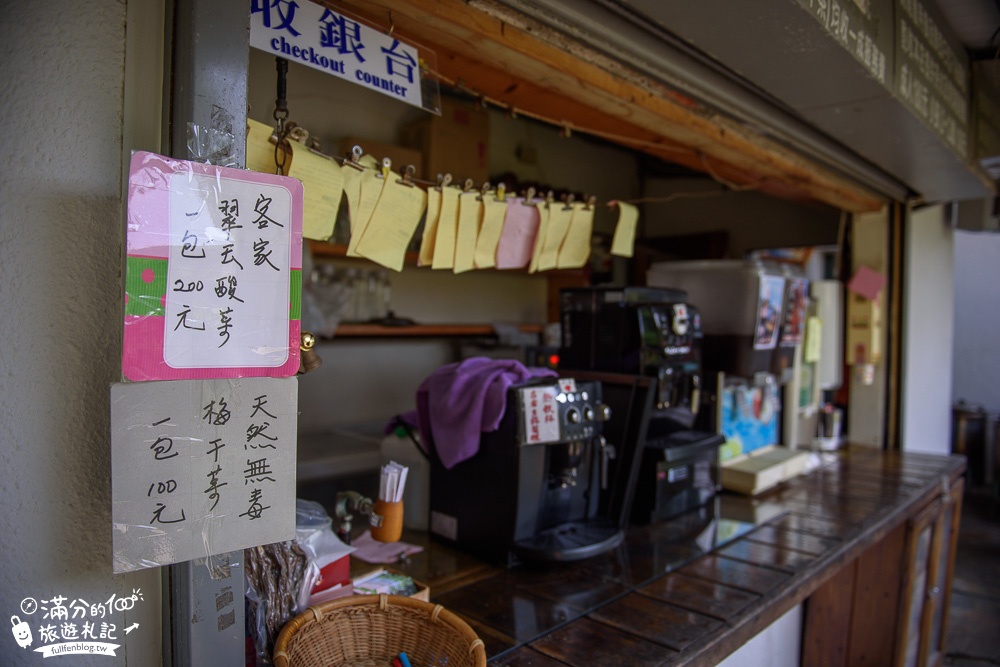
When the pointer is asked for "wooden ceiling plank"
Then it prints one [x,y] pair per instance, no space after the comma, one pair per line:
[526,66]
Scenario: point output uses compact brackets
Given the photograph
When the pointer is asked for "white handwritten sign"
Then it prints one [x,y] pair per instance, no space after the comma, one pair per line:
[541,416]
[320,38]
[213,280]
[201,468]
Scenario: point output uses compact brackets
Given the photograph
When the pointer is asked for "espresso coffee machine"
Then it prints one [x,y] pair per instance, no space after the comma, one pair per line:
[542,487]
[654,334]
[754,320]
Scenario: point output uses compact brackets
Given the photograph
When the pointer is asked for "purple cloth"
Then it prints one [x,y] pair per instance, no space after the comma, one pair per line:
[458,402]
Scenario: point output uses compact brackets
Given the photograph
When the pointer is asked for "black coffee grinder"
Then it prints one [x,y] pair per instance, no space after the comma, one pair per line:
[654,334]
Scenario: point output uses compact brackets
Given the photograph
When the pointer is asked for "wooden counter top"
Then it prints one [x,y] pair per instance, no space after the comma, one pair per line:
[691,590]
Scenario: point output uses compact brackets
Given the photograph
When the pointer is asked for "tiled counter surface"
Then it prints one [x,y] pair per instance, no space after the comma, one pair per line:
[691,590]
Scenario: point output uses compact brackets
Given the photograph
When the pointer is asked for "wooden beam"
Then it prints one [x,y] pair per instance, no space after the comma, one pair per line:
[512,59]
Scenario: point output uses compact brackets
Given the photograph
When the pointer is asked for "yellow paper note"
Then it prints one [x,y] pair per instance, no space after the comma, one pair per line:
[543,230]
[623,243]
[352,190]
[370,191]
[260,151]
[426,257]
[444,242]
[322,182]
[352,184]
[560,216]
[470,215]
[575,250]
[814,339]
[494,211]
[392,223]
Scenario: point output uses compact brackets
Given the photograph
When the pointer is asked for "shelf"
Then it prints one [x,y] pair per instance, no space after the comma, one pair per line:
[339,251]
[363,330]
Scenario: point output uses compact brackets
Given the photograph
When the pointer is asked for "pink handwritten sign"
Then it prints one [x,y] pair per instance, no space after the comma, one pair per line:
[213,274]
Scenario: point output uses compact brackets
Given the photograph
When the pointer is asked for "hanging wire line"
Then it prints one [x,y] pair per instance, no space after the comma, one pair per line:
[282,137]
[678,195]
[567,128]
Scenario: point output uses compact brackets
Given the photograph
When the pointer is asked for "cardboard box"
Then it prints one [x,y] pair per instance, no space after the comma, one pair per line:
[423,590]
[455,143]
[400,155]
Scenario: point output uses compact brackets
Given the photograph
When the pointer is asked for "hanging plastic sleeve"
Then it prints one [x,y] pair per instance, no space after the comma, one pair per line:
[211,146]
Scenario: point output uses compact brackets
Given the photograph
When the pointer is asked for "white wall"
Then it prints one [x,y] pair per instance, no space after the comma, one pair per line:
[60,286]
[976,367]
[777,645]
[928,296]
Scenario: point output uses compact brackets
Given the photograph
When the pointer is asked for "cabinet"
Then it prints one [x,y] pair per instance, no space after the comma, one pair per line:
[889,606]
[928,562]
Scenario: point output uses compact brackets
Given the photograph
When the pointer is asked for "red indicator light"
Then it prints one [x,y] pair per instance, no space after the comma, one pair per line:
[554,360]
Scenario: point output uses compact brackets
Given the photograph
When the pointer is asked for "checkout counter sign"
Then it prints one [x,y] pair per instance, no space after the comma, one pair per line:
[334,44]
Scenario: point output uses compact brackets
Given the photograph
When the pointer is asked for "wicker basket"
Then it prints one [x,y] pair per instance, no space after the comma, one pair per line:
[371,630]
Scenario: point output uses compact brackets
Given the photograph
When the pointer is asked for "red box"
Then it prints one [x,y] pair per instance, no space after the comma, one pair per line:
[337,572]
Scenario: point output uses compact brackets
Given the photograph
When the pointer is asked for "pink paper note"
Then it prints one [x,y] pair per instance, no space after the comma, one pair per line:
[370,551]
[517,240]
[866,282]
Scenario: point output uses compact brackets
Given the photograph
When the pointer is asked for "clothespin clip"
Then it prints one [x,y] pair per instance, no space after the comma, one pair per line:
[567,129]
[549,198]
[483,191]
[591,202]
[386,168]
[467,186]
[569,202]
[511,112]
[443,181]
[501,191]
[407,173]
[528,196]
[354,159]
[298,133]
